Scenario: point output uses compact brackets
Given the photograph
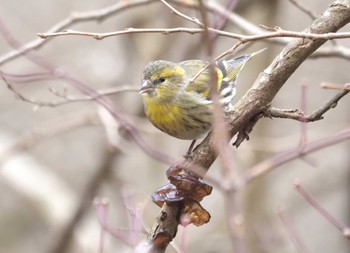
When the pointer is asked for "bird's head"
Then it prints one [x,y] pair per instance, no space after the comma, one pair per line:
[161,79]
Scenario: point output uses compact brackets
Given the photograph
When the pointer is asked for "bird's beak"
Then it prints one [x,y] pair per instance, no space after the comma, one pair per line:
[146,87]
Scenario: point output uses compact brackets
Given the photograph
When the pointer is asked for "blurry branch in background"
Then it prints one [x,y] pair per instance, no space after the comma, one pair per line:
[269,164]
[63,240]
[45,131]
[345,230]
[26,78]
[101,206]
[222,21]
[304,9]
[67,98]
[332,51]
[293,234]
[303,126]
[105,92]
[221,136]
[289,226]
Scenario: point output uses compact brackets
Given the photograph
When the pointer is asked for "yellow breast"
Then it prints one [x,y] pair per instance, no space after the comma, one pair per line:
[176,120]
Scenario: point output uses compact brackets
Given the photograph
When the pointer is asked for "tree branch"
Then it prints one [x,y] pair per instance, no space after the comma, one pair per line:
[67,98]
[296,114]
[273,33]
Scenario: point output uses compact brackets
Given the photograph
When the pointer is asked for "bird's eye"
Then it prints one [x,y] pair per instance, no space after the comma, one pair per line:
[162,79]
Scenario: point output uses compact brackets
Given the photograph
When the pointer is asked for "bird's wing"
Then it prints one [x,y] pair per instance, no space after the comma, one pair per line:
[227,72]
[201,84]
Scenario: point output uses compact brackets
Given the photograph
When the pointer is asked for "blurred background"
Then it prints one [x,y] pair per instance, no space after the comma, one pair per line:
[55,160]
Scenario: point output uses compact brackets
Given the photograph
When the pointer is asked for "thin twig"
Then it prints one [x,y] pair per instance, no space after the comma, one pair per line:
[67,99]
[101,206]
[221,136]
[182,15]
[104,92]
[313,202]
[299,115]
[334,86]
[277,32]
[22,97]
[272,33]
[293,235]
[303,125]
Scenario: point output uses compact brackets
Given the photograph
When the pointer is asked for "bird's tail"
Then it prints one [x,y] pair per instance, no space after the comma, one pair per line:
[230,70]
[234,66]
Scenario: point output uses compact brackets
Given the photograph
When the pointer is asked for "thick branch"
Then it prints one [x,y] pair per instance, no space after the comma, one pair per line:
[163,230]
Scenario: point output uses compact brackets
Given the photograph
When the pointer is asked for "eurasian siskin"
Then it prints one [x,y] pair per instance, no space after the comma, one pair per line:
[181,108]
